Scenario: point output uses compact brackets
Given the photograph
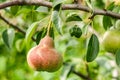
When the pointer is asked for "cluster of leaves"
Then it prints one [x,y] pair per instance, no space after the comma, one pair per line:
[73,38]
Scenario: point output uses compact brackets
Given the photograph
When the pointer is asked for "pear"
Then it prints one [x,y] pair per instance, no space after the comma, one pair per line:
[44,56]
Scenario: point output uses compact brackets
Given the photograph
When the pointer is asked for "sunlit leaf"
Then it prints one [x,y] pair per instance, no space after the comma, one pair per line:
[89,3]
[32,15]
[30,31]
[65,72]
[42,9]
[3,61]
[111,6]
[14,9]
[23,10]
[93,48]
[8,37]
[73,17]
[19,45]
[57,21]
[116,9]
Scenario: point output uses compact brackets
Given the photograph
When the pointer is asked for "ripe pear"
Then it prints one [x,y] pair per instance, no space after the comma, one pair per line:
[44,56]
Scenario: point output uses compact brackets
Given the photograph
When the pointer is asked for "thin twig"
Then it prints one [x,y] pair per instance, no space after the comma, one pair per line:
[85,77]
[64,7]
[14,26]
[88,72]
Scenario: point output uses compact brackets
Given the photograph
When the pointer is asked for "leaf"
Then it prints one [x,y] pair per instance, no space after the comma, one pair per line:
[55,15]
[14,9]
[42,9]
[89,4]
[98,3]
[30,31]
[107,22]
[73,17]
[93,48]
[32,15]
[51,32]
[57,4]
[75,31]
[8,37]
[2,1]
[118,57]
[41,34]
[19,45]
[111,6]
[116,9]
[57,21]
[23,11]
[65,72]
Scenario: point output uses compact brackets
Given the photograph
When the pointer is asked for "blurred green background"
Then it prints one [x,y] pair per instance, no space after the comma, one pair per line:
[13,64]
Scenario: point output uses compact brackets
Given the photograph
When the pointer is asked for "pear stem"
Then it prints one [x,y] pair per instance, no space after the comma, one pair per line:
[49,25]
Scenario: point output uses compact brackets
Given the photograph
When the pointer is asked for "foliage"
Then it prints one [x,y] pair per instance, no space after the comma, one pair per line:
[80,47]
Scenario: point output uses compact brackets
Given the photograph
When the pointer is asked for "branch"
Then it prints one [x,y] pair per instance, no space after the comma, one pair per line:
[14,26]
[88,71]
[25,2]
[64,7]
[85,77]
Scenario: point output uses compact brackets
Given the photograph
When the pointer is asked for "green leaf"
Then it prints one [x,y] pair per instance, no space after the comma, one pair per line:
[23,11]
[42,9]
[2,1]
[111,6]
[73,17]
[65,72]
[107,23]
[57,21]
[14,9]
[75,31]
[51,32]
[89,4]
[116,9]
[93,48]
[30,31]
[98,3]
[3,61]
[57,4]
[55,15]
[117,24]
[19,45]
[32,15]
[41,34]
[8,37]
[118,57]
